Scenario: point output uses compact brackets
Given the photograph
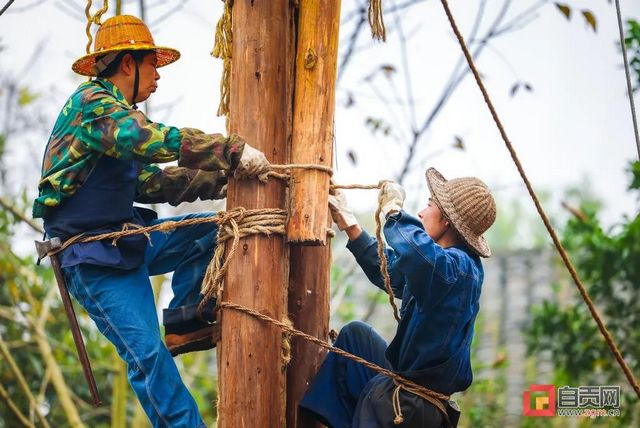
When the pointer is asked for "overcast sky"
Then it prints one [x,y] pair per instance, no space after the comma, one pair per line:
[574,124]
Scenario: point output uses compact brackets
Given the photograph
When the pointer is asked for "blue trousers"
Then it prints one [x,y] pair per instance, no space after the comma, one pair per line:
[122,305]
[336,389]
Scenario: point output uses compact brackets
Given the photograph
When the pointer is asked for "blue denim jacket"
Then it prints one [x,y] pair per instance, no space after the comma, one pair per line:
[440,292]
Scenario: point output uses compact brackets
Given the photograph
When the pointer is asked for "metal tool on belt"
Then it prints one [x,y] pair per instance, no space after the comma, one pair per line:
[43,248]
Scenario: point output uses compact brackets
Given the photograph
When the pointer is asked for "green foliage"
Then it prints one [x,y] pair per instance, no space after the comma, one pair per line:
[26,97]
[632,43]
[607,261]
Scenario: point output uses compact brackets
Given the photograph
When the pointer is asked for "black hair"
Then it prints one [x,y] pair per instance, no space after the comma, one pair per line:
[112,68]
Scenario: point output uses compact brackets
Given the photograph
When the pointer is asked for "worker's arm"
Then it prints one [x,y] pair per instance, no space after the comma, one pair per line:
[176,185]
[109,127]
[365,249]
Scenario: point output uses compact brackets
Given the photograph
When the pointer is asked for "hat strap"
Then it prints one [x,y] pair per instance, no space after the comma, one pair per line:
[136,83]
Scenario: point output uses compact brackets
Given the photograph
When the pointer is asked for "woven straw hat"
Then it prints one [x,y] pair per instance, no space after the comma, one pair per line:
[120,33]
[468,204]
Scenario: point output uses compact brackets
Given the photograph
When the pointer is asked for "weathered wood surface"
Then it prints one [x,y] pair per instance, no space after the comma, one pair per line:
[252,378]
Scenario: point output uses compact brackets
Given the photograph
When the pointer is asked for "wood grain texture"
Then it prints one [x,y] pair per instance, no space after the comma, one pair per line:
[313,111]
[314,105]
[252,377]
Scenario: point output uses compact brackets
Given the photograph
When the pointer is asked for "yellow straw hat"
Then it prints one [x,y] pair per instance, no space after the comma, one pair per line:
[120,33]
[468,204]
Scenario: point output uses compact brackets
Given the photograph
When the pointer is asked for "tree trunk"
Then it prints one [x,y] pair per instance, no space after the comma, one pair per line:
[252,377]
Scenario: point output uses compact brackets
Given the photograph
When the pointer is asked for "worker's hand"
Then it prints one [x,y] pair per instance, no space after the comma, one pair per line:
[340,211]
[391,198]
[253,163]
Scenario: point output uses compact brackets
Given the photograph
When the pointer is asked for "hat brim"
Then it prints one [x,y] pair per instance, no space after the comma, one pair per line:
[436,183]
[86,65]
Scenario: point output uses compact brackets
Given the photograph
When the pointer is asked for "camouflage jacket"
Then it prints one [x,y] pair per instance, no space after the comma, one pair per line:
[98,121]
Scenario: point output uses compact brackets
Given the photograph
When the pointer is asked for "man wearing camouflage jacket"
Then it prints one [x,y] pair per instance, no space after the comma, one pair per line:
[101,158]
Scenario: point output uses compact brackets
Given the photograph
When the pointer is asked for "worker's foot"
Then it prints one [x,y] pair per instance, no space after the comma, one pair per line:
[189,341]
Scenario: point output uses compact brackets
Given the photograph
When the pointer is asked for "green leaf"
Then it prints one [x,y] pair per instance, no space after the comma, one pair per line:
[590,19]
[564,9]
[25,97]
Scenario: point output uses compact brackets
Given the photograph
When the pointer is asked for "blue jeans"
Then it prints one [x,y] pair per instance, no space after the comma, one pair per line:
[336,389]
[121,303]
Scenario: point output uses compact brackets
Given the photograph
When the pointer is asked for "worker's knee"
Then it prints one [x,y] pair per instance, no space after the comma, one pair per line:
[352,333]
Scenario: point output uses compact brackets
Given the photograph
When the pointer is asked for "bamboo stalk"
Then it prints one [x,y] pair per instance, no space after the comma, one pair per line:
[14,408]
[22,381]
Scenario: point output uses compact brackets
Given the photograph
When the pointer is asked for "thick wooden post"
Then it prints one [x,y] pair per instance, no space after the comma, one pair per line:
[309,312]
[315,77]
[252,378]
[314,106]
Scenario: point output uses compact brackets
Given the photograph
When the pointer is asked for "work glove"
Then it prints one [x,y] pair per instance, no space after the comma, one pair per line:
[340,211]
[253,163]
[391,198]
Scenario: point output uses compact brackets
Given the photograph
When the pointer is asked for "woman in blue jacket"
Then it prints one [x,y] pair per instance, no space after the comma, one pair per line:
[435,268]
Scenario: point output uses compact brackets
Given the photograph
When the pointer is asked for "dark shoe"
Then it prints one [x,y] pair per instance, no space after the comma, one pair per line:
[197,340]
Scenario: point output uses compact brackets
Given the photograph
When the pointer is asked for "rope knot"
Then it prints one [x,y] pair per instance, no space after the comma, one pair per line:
[126,227]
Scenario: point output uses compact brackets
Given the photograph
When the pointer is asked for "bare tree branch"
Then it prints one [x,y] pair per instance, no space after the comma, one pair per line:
[344,61]
[71,8]
[25,8]
[6,6]
[168,13]
[20,216]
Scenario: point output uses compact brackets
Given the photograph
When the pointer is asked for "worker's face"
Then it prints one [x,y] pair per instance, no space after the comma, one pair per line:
[433,221]
[148,77]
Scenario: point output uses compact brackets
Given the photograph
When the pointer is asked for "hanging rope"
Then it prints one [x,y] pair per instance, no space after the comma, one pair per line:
[376,20]
[93,19]
[384,271]
[556,241]
[222,49]
[626,72]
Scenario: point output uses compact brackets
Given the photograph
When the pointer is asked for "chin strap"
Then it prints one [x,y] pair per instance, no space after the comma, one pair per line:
[136,83]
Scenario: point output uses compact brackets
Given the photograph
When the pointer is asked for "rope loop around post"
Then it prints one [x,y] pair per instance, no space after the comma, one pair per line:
[233,225]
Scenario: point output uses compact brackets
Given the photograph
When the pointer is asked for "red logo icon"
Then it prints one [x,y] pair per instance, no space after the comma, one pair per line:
[544,404]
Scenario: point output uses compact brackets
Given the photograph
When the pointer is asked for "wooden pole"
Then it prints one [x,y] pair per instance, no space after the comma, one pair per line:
[252,377]
[314,106]
[312,142]
[309,312]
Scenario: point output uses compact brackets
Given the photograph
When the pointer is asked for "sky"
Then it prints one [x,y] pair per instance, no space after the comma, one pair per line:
[574,124]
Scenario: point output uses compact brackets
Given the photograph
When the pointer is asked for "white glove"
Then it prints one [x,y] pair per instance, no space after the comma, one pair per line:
[391,198]
[253,163]
[340,211]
